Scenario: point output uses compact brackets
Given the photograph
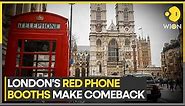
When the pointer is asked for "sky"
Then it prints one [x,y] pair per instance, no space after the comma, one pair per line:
[150,17]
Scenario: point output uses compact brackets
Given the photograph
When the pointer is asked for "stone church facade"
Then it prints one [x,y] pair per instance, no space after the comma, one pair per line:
[116,50]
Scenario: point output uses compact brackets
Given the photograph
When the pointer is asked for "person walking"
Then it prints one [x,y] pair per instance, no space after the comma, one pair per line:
[177,83]
[171,83]
[160,81]
[167,82]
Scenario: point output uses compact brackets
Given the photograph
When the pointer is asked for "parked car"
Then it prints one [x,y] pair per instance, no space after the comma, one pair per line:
[153,90]
[157,80]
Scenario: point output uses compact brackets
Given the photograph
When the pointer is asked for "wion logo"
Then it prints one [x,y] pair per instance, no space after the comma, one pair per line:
[173,14]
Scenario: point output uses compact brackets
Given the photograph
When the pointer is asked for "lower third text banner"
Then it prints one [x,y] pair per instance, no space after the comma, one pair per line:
[87,90]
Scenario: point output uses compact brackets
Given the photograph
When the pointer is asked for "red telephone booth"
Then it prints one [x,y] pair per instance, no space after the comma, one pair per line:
[37,46]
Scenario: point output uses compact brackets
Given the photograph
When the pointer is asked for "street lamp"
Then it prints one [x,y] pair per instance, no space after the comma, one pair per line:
[134,55]
[117,67]
[70,30]
[124,66]
[117,55]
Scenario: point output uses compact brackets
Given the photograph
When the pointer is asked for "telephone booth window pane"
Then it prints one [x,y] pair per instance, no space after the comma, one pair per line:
[39,75]
[53,57]
[42,72]
[42,57]
[18,60]
[26,72]
[19,45]
[54,47]
[17,72]
[53,64]
[41,64]
[39,72]
[36,46]
[36,60]
[45,75]
[53,61]
[52,72]
[28,60]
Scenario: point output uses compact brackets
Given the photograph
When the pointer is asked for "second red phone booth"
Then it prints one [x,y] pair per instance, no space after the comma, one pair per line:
[38,46]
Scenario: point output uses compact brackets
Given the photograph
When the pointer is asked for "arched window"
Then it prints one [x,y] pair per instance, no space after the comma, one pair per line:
[128,64]
[83,72]
[99,67]
[127,42]
[126,14]
[98,14]
[87,71]
[113,50]
[100,70]
[77,72]
[98,43]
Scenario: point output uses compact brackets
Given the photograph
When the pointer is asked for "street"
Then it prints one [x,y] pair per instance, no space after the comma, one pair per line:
[168,96]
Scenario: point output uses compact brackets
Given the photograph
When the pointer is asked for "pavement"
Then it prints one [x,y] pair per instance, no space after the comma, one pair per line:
[168,96]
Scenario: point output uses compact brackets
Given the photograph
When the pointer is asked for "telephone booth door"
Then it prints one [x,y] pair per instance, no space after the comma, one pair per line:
[35,57]
[34,52]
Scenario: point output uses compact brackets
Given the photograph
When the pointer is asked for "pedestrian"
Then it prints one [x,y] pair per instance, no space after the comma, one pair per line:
[181,83]
[177,83]
[160,81]
[167,82]
[171,83]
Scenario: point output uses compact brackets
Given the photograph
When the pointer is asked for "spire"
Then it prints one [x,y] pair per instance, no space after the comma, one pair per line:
[144,38]
[140,28]
[148,38]
[112,26]
[75,47]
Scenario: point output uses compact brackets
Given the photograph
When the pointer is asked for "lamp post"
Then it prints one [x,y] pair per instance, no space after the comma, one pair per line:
[117,55]
[70,31]
[134,55]
[87,60]
[123,66]
[117,50]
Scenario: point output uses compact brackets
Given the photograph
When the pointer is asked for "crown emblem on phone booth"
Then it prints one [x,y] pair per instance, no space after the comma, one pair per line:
[39,18]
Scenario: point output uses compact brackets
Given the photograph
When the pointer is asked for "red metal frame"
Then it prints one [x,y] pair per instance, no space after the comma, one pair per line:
[59,35]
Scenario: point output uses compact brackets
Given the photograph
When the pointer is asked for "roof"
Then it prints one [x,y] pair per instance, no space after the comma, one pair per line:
[40,13]
[112,26]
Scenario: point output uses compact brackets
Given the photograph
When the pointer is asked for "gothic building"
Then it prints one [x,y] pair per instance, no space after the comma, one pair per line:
[80,65]
[116,50]
[144,52]
[171,60]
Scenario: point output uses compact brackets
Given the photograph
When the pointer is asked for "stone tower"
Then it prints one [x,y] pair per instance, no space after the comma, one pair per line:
[98,17]
[97,30]
[144,52]
[125,18]
[125,26]
[111,50]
